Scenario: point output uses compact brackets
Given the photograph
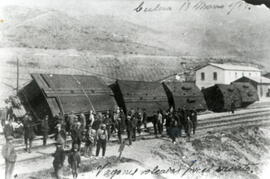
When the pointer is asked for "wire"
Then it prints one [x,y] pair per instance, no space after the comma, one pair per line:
[84,92]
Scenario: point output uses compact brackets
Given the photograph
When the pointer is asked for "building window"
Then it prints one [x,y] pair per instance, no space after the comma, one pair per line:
[215,75]
[202,76]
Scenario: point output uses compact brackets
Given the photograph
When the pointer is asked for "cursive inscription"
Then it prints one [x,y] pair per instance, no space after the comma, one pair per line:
[199,5]
[182,170]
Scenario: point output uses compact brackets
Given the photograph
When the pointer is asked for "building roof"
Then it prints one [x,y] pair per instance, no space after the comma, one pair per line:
[232,67]
[257,79]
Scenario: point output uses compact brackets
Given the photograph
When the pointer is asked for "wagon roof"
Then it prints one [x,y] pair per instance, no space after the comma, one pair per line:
[141,94]
[186,94]
[78,93]
[248,92]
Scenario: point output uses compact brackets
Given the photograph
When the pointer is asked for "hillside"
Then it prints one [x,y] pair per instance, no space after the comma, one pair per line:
[52,29]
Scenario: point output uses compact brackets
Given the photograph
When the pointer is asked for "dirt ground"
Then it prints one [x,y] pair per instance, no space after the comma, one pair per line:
[238,153]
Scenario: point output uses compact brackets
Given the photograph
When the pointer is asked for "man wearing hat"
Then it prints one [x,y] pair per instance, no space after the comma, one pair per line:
[45,129]
[10,156]
[29,132]
[74,160]
[102,137]
[76,134]
[59,159]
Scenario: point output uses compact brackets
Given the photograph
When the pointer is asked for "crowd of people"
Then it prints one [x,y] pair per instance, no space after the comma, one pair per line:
[96,129]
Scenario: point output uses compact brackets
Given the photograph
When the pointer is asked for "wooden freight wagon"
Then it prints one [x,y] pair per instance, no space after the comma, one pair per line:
[247,92]
[185,94]
[140,94]
[50,94]
[220,97]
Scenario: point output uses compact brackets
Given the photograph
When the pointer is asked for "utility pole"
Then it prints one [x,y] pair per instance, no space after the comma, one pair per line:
[17,89]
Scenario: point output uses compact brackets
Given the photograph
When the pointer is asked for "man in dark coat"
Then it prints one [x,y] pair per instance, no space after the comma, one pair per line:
[233,106]
[102,138]
[108,122]
[155,122]
[129,128]
[10,156]
[70,121]
[134,121]
[167,121]
[59,159]
[97,122]
[123,118]
[45,129]
[76,135]
[194,120]
[188,128]
[74,160]
[29,133]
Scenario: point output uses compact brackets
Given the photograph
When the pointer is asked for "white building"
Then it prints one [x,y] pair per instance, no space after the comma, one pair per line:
[214,73]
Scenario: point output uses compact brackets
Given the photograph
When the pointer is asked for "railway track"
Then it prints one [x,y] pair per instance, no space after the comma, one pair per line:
[211,124]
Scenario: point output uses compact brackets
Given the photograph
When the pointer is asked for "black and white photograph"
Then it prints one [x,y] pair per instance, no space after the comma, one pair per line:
[127,89]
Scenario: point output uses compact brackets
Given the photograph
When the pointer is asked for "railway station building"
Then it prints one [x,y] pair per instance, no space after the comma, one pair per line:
[214,73]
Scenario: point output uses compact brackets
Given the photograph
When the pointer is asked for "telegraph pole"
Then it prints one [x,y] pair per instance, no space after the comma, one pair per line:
[17,89]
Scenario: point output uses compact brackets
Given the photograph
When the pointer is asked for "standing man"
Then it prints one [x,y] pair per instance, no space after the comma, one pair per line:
[71,120]
[188,128]
[97,122]
[194,119]
[91,118]
[59,159]
[45,129]
[74,160]
[155,122]
[10,156]
[82,121]
[160,122]
[76,135]
[118,125]
[102,137]
[145,120]
[233,106]
[108,122]
[129,127]
[29,133]
[134,121]
[90,142]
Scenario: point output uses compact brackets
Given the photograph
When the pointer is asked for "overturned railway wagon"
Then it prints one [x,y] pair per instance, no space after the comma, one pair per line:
[51,94]
[247,92]
[221,96]
[185,94]
[140,94]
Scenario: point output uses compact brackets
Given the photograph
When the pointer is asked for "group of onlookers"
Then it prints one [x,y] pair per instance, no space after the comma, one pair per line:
[96,129]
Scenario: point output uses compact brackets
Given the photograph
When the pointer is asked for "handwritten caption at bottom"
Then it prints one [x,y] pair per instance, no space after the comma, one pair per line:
[104,170]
